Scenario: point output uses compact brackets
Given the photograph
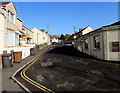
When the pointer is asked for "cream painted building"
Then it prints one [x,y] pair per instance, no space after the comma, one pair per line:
[19,30]
[54,38]
[11,31]
[10,28]
[40,36]
[2,20]
[102,43]
[29,35]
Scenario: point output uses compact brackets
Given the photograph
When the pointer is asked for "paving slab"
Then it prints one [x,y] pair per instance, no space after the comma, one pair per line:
[6,82]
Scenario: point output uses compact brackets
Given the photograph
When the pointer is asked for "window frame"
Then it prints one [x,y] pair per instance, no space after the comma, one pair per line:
[11,17]
[96,42]
[86,46]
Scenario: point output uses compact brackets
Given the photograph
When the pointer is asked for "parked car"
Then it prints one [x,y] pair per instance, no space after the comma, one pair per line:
[54,43]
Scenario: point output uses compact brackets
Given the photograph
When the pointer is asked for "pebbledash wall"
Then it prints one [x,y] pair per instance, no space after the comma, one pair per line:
[103,43]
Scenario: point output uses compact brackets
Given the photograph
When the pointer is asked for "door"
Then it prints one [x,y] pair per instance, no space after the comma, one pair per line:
[11,38]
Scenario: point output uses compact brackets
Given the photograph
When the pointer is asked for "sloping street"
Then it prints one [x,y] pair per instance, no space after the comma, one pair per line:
[62,69]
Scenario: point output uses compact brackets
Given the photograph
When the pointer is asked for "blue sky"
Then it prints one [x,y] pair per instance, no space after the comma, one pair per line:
[63,16]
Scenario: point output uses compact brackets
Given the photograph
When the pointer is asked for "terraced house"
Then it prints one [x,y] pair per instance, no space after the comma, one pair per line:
[28,38]
[40,36]
[102,43]
[13,37]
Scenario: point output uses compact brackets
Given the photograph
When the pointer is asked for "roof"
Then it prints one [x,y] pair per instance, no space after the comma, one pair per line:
[81,30]
[42,30]
[27,28]
[19,19]
[101,28]
[5,3]
[116,23]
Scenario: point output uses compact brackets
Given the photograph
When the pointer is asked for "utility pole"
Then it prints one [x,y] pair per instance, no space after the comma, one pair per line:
[74,29]
[48,30]
[74,32]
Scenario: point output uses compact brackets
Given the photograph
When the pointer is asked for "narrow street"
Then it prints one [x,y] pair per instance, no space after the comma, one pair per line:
[71,71]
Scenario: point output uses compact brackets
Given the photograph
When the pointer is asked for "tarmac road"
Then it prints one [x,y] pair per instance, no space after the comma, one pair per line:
[62,69]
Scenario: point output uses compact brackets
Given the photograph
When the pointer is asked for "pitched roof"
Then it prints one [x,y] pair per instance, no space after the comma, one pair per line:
[116,23]
[4,3]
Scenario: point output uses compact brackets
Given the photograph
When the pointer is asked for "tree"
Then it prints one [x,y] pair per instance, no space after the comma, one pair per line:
[62,37]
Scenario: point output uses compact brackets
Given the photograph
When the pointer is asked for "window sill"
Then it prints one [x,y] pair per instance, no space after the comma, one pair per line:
[11,22]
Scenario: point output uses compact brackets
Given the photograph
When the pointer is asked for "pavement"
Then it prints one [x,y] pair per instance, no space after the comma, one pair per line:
[7,82]
[72,72]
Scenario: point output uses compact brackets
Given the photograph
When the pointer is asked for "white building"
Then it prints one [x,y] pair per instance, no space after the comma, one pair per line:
[10,30]
[102,43]
[40,36]
[54,38]
[2,19]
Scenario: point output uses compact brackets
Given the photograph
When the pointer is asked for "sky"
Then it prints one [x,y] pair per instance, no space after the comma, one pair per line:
[63,16]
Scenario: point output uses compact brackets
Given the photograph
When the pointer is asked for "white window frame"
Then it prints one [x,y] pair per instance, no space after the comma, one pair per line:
[96,42]
[11,17]
[86,46]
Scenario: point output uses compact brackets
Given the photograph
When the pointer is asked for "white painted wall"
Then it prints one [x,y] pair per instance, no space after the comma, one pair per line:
[110,34]
[25,50]
[54,39]
[97,53]
[91,51]
[1,42]
[40,37]
[1,32]
[37,36]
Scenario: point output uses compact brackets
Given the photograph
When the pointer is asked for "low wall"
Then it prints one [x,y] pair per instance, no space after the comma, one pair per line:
[25,50]
[30,45]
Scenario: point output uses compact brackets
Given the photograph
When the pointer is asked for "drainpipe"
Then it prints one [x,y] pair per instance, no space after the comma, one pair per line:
[103,44]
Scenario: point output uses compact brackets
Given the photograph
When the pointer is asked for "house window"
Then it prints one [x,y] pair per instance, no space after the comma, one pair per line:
[11,17]
[11,38]
[96,42]
[23,29]
[16,39]
[86,44]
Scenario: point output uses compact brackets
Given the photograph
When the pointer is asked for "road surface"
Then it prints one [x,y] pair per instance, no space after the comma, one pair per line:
[62,69]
